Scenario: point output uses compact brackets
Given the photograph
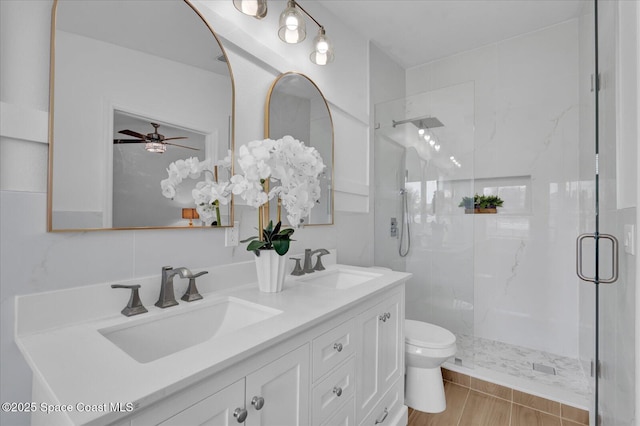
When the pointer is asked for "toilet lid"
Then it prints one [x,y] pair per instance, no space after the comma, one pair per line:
[427,335]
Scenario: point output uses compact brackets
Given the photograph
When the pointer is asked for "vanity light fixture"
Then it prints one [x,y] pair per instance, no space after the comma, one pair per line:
[157,147]
[255,8]
[292,29]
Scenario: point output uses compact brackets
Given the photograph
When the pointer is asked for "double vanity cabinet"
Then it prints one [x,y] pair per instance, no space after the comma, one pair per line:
[331,356]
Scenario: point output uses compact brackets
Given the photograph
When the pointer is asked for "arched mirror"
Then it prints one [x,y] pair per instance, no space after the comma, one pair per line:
[295,106]
[136,87]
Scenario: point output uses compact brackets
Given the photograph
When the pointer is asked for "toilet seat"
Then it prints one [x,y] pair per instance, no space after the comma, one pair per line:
[427,335]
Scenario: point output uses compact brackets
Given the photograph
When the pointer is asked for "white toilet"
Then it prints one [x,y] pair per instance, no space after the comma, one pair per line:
[426,347]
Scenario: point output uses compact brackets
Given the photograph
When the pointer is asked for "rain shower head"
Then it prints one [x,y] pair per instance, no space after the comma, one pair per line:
[421,122]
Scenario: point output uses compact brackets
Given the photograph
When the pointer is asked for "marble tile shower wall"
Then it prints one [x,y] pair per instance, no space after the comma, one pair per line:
[521,287]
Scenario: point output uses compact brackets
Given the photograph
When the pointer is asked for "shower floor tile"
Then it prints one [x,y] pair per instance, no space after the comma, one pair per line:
[516,362]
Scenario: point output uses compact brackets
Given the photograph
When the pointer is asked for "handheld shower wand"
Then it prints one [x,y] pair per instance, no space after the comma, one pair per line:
[404,219]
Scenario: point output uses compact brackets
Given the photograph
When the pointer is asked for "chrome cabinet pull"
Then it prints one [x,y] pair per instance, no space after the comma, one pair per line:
[240,414]
[384,416]
[337,390]
[338,347]
[257,402]
[614,258]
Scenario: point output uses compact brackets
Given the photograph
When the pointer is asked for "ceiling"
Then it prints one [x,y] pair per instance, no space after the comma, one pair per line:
[414,32]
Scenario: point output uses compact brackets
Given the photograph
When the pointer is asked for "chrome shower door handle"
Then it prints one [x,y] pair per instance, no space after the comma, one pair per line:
[614,258]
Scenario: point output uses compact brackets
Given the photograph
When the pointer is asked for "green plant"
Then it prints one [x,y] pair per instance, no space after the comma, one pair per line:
[273,238]
[481,202]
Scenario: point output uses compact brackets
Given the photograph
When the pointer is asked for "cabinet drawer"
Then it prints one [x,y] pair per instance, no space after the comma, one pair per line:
[346,416]
[331,393]
[387,410]
[333,347]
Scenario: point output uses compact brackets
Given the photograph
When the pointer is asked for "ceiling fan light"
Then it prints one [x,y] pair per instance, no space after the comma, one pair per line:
[292,28]
[322,49]
[156,147]
[255,8]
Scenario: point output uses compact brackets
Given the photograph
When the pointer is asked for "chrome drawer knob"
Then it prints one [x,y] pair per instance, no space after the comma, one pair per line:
[338,347]
[337,390]
[257,402]
[240,414]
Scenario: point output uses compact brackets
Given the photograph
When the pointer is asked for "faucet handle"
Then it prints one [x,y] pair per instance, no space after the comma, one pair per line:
[134,306]
[192,291]
[297,270]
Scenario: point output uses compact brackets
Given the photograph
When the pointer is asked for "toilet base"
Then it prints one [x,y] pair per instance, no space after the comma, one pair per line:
[424,390]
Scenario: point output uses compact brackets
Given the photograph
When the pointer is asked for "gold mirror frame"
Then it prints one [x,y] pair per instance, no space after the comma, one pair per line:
[50,185]
[272,210]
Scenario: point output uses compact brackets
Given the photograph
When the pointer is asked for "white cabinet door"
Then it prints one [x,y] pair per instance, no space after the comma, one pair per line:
[278,393]
[215,410]
[391,343]
[368,367]
[380,352]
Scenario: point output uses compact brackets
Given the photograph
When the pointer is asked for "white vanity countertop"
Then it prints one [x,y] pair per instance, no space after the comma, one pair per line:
[77,364]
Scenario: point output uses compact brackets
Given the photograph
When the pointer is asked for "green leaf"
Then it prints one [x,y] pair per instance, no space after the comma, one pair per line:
[256,245]
[249,239]
[287,231]
[281,246]
[277,228]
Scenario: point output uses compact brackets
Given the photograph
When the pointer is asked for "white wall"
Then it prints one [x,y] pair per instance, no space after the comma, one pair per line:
[33,260]
[526,124]
[388,83]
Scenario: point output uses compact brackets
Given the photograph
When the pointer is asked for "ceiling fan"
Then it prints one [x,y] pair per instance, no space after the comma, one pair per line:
[155,142]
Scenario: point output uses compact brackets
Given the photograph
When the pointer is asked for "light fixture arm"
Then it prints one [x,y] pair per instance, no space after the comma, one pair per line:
[309,15]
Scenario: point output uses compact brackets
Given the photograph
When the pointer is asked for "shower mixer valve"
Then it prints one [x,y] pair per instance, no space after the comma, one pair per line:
[394,227]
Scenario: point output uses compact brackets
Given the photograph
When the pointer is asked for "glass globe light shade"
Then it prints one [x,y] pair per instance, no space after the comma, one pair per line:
[255,8]
[292,28]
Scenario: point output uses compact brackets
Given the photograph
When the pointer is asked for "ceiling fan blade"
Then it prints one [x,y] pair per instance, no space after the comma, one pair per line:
[115,141]
[134,134]
[178,137]
[181,146]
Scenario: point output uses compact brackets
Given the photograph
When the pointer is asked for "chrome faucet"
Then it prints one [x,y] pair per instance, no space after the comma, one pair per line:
[308,253]
[167,296]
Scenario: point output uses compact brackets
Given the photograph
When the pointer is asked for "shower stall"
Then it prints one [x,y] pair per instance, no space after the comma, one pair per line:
[520,119]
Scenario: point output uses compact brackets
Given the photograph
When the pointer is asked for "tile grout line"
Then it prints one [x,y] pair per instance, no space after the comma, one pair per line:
[463,407]
[510,413]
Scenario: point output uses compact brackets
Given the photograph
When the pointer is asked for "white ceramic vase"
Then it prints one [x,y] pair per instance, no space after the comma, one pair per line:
[270,267]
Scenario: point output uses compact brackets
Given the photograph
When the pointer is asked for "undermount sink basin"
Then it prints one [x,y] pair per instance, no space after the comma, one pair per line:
[149,339]
[340,278]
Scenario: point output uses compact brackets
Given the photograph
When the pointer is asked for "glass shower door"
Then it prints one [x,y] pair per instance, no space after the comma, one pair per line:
[615,215]
[607,294]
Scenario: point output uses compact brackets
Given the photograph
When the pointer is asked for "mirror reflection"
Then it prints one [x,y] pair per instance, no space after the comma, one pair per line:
[296,107]
[135,87]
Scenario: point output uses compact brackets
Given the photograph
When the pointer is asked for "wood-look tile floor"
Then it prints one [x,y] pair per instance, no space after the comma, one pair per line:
[468,407]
